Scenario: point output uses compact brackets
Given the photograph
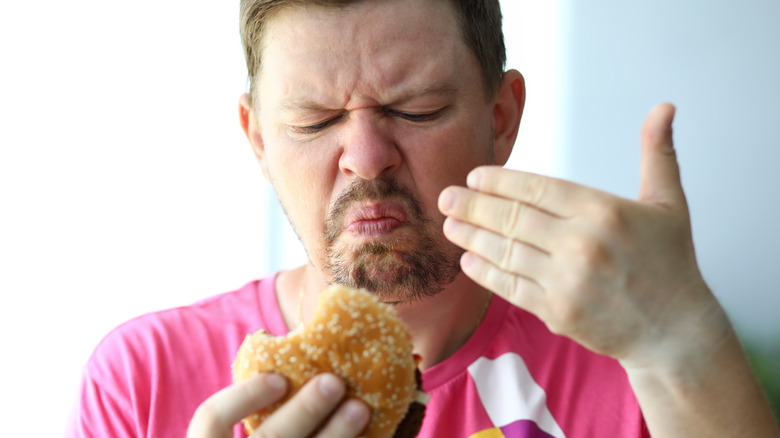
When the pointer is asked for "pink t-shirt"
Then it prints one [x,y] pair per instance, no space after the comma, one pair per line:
[513,378]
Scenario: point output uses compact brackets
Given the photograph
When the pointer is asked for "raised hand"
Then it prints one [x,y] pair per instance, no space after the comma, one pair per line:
[618,276]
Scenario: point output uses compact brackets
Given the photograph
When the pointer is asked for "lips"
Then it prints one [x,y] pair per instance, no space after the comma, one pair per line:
[375,220]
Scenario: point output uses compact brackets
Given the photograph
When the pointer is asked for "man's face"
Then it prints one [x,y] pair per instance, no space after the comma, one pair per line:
[365,115]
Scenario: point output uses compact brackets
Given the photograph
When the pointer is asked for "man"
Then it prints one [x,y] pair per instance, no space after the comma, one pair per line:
[368,117]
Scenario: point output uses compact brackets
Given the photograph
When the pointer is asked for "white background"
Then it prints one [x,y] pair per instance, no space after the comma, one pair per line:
[126,185]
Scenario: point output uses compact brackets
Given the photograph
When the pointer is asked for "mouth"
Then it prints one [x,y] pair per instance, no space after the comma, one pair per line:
[376,219]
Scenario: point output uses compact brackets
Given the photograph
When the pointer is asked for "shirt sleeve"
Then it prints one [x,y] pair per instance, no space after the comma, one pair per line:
[100,412]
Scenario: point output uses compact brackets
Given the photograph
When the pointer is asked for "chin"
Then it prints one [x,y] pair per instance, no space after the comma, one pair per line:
[395,275]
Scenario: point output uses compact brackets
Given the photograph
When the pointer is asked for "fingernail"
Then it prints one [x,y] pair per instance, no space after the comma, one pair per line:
[446,200]
[467,261]
[275,381]
[474,179]
[450,226]
[330,386]
[355,412]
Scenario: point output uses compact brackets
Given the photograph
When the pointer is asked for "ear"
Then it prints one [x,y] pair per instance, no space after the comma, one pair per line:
[251,128]
[507,112]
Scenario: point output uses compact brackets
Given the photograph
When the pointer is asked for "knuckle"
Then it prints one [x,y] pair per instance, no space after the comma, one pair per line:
[205,410]
[511,287]
[535,190]
[315,406]
[489,276]
[352,418]
[591,254]
[507,259]
[569,312]
[496,278]
[524,292]
[566,317]
[311,403]
[512,218]
[205,415]
[471,205]
[610,216]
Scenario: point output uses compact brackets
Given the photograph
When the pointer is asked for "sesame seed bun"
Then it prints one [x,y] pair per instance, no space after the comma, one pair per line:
[356,337]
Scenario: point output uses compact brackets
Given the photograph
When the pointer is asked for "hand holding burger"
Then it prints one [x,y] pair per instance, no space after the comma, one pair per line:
[357,338]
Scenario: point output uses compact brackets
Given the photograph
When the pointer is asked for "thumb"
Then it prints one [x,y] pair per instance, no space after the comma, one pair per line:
[659,172]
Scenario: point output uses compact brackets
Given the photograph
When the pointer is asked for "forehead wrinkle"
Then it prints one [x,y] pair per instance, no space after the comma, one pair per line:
[383,69]
[391,65]
[292,105]
[439,88]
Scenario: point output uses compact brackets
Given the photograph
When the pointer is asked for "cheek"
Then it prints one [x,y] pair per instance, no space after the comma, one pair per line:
[303,184]
[441,158]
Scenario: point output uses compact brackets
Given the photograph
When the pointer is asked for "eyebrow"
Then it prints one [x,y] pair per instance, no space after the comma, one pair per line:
[289,105]
[295,104]
[436,88]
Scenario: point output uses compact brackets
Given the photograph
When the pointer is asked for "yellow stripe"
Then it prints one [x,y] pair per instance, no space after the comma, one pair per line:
[489,433]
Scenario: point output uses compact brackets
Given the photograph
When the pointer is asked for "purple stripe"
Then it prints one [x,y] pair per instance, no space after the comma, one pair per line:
[524,429]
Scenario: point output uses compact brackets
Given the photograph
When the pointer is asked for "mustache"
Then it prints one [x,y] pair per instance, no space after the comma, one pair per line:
[362,190]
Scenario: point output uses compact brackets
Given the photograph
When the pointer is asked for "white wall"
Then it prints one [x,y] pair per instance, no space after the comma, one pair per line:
[126,185]
[719,62]
[593,71]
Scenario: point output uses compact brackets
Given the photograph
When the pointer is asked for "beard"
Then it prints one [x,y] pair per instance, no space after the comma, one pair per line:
[413,266]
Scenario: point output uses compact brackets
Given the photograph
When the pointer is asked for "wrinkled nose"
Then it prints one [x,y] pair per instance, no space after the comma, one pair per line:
[368,151]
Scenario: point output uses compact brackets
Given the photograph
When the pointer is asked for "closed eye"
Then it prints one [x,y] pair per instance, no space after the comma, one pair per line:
[313,129]
[415,117]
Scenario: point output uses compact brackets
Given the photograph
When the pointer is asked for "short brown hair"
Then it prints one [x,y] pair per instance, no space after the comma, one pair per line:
[479,21]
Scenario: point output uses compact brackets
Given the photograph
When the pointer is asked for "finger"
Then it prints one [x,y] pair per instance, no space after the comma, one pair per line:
[555,196]
[507,254]
[518,290]
[217,415]
[506,217]
[306,410]
[349,420]
[660,173]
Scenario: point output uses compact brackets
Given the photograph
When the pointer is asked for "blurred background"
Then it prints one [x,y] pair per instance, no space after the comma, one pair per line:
[126,185]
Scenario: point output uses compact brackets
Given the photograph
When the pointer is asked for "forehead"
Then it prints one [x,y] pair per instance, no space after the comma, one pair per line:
[372,48]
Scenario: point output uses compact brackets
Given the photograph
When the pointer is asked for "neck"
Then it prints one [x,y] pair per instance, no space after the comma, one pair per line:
[441,324]
[438,325]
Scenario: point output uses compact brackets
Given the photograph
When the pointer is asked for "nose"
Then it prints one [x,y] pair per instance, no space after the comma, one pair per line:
[368,150]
